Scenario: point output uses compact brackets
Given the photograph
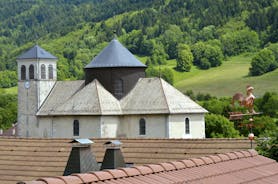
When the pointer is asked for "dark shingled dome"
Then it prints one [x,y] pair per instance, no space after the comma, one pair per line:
[36,53]
[115,55]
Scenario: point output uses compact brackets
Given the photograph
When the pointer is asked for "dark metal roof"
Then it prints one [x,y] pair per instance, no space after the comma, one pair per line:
[36,53]
[115,55]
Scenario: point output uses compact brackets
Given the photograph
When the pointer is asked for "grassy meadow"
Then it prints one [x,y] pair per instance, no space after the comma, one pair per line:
[229,78]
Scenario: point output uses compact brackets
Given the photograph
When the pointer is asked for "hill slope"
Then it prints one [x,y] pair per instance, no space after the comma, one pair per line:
[228,79]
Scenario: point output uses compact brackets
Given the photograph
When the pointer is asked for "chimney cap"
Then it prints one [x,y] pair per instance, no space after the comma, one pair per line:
[82,141]
[116,143]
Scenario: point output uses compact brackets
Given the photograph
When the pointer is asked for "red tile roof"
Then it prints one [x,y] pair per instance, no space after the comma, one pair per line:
[31,158]
[233,167]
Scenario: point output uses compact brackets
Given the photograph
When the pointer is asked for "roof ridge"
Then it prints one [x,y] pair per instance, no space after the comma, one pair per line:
[147,169]
[163,91]
[98,96]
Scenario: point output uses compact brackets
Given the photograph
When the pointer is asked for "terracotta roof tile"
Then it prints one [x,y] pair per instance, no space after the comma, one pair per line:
[103,175]
[239,154]
[215,158]
[178,164]
[188,163]
[39,158]
[116,173]
[198,161]
[168,166]
[144,170]
[86,177]
[246,153]
[232,156]
[243,169]
[207,160]
[223,157]
[131,171]
[71,179]
[155,167]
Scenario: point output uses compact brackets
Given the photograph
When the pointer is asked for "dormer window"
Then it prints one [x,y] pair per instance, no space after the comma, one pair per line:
[31,72]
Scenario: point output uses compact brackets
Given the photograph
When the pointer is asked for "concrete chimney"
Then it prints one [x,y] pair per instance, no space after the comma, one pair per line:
[113,157]
[81,159]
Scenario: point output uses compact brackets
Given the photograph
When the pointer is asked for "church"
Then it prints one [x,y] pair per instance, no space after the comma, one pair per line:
[114,100]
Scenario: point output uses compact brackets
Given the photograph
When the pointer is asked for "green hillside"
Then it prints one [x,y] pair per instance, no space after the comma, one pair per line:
[229,78]
[196,34]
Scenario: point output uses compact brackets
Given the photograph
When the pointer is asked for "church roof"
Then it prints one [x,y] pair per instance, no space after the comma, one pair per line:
[92,99]
[115,55]
[61,92]
[155,96]
[36,53]
[74,98]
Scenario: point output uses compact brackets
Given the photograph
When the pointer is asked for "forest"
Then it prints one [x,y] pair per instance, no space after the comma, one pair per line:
[193,33]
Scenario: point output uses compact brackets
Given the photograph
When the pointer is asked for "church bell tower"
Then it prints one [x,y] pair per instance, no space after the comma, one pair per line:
[37,75]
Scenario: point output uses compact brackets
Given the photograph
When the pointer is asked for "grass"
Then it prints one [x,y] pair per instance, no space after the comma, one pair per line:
[12,90]
[229,78]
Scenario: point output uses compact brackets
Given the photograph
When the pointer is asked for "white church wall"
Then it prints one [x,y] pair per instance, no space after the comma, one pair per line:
[62,127]
[109,126]
[177,126]
[155,126]
[44,89]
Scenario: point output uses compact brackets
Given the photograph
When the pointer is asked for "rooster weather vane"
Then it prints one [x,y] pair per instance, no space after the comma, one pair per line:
[244,101]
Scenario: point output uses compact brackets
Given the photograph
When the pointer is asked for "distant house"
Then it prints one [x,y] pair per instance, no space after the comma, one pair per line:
[114,100]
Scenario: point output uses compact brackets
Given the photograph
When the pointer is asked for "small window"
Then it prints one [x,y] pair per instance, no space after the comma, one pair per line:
[187,126]
[23,72]
[43,76]
[31,72]
[118,88]
[142,127]
[50,71]
[75,128]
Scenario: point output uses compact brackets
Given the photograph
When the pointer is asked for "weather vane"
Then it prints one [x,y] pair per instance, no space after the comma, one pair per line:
[248,103]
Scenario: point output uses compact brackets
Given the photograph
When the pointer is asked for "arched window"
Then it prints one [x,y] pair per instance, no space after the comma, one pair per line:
[75,128]
[31,72]
[118,87]
[142,127]
[23,72]
[50,71]
[187,126]
[43,75]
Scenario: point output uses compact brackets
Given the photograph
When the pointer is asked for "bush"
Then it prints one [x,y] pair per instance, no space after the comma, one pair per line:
[262,62]
[8,79]
[206,55]
[165,73]
[217,126]
[269,146]
[184,59]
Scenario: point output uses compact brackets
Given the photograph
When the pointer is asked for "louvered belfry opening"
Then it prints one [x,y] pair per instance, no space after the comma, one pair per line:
[113,157]
[81,159]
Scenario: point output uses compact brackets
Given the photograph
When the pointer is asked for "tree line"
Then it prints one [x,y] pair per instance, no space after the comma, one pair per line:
[201,33]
